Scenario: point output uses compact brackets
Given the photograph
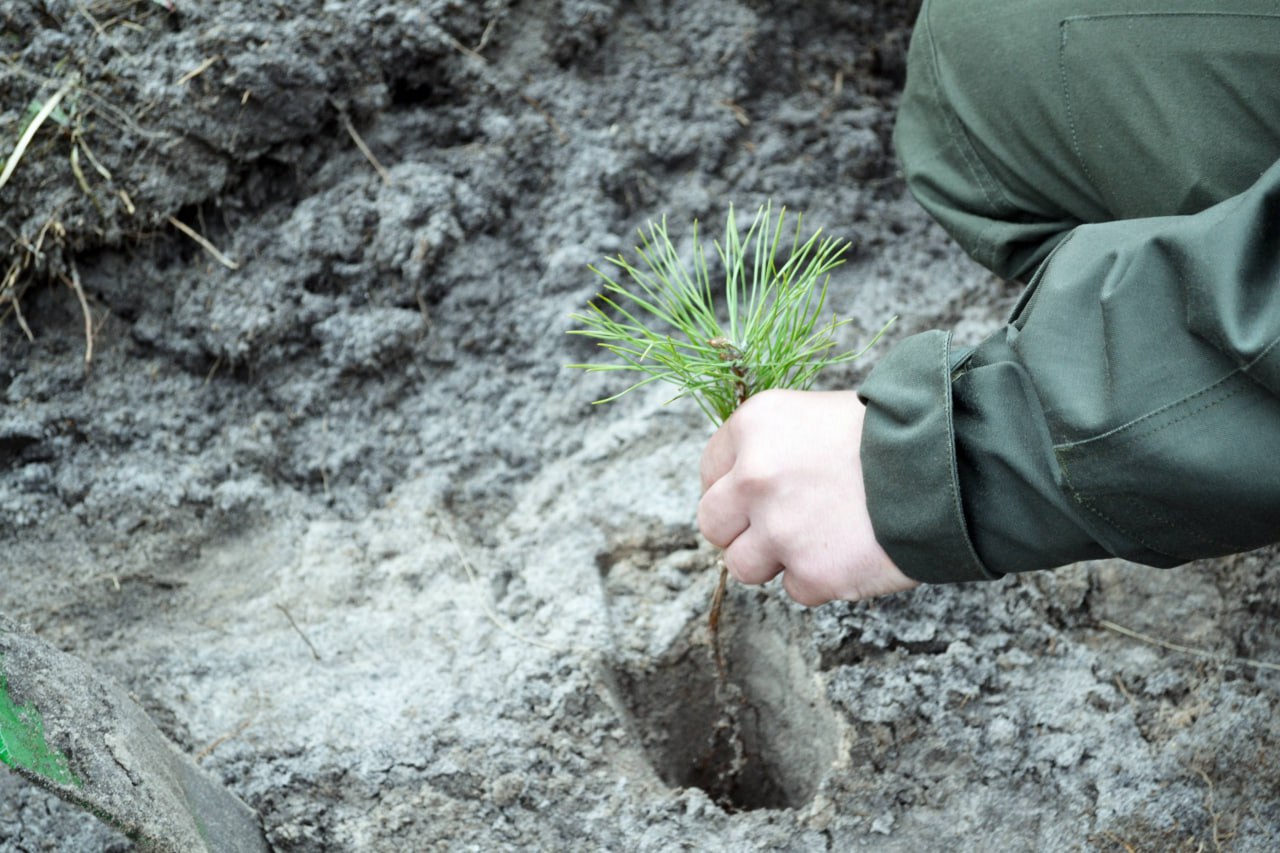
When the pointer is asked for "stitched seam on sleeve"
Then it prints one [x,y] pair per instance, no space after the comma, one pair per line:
[1222,395]
[1062,70]
[1092,508]
[1226,395]
[1164,521]
[953,475]
[1066,98]
[1131,426]
[1262,355]
[964,145]
[1274,346]
[1105,15]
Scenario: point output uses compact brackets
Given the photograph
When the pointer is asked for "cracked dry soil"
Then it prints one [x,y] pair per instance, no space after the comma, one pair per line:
[355,540]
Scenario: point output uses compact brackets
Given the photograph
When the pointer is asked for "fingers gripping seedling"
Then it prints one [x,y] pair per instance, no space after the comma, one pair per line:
[661,321]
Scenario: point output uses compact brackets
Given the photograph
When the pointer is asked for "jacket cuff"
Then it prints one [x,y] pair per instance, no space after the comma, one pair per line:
[909,463]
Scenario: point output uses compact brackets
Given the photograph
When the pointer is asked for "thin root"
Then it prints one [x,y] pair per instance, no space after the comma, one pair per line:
[713,618]
[206,751]
[74,284]
[204,244]
[1187,650]
[84,182]
[469,51]
[546,116]
[198,70]
[365,150]
[315,654]
[102,170]
[11,293]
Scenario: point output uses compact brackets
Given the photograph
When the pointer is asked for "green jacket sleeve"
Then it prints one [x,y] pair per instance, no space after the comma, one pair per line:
[1131,407]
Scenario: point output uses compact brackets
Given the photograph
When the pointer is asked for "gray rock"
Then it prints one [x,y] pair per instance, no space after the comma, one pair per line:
[83,738]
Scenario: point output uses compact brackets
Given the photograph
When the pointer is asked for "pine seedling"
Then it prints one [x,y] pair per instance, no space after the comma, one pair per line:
[662,321]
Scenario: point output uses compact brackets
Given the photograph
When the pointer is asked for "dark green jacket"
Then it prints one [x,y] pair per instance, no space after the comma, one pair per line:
[1126,159]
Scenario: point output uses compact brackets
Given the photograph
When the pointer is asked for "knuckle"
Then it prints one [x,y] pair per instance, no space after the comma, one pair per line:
[758,408]
[750,565]
[801,591]
[756,474]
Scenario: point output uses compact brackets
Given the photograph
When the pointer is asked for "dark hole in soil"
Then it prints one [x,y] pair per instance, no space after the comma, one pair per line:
[763,740]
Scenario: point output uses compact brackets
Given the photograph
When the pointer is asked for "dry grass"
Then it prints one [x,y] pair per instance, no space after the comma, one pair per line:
[1187,650]
[33,127]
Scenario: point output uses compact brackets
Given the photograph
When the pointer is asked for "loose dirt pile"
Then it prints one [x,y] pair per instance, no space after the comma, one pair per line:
[327,504]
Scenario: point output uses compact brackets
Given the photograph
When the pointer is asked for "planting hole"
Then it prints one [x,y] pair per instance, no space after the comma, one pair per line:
[762,740]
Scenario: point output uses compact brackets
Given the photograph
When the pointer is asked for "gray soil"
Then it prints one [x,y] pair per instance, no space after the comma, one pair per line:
[348,531]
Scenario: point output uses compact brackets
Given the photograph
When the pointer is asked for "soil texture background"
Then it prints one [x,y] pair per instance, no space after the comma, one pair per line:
[326,502]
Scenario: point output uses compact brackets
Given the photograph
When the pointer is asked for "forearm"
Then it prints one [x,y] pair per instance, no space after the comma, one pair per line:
[1130,407]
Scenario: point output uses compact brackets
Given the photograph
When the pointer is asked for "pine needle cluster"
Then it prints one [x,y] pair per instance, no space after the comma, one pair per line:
[662,321]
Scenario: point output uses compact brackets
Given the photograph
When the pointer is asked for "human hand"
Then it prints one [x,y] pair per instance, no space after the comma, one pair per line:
[782,492]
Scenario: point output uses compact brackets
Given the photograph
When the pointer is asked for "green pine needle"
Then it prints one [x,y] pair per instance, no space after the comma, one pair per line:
[661,321]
